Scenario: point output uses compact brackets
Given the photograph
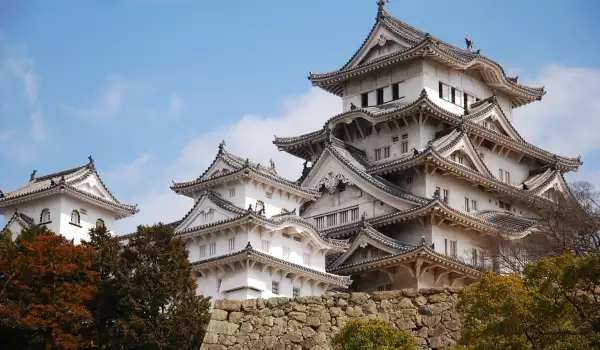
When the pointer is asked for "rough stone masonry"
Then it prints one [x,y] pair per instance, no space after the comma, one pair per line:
[310,322]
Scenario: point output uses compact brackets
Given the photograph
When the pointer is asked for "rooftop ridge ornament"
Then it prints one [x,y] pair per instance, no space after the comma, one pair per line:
[32,175]
[1,194]
[380,7]
[424,93]
[272,163]
[423,241]
[436,194]
[222,146]
[469,42]
[247,163]
[91,161]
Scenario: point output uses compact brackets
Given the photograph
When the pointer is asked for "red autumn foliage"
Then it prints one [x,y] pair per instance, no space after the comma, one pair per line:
[45,282]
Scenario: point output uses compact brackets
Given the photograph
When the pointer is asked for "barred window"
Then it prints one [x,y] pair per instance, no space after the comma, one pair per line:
[295,292]
[275,287]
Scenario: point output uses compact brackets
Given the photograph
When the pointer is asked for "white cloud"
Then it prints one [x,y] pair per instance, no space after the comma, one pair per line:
[251,136]
[128,174]
[175,105]
[111,100]
[23,69]
[567,119]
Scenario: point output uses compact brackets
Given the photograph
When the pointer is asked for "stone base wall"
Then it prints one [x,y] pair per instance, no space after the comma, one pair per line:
[310,322]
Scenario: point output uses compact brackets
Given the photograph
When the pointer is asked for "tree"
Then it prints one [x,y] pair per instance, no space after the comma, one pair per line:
[146,298]
[374,335]
[554,305]
[45,281]
[570,226]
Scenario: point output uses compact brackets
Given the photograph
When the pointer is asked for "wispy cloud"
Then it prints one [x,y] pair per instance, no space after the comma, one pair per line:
[110,102]
[38,128]
[250,136]
[175,105]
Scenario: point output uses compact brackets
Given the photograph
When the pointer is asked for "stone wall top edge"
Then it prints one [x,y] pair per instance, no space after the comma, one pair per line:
[249,304]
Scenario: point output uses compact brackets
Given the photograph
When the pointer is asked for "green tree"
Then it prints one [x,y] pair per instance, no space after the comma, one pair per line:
[146,298]
[373,335]
[554,305]
[45,282]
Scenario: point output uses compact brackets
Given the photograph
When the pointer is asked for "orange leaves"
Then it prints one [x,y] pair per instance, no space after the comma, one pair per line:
[52,281]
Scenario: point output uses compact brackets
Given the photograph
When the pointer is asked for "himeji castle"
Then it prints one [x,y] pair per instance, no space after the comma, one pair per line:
[404,189]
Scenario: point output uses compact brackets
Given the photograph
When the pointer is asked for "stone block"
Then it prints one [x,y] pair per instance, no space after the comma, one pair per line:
[219,315]
[228,305]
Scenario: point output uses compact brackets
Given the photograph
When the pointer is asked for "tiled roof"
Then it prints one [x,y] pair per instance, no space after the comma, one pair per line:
[358,165]
[241,167]
[421,251]
[281,221]
[420,44]
[218,200]
[67,179]
[24,220]
[423,103]
[250,253]
[515,225]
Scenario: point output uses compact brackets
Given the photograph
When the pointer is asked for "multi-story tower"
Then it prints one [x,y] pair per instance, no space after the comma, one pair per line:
[244,235]
[424,164]
[68,202]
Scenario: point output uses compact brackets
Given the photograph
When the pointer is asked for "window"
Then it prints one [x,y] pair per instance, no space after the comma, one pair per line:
[202,251]
[461,160]
[395,91]
[404,146]
[331,219]
[405,136]
[394,139]
[306,258]
[450,248]
[444,91]
[458,97]
[379,96]
[232,192]
[474,204]
[453,157]
[378,154]
[265,245]
[45,216]
[320,222]
[295,292]
[75,217]
[212,248]
[219,285]
[507,177]
[275,287]
[482,258]
[383,288]
[469,99]
[500,175]
[474,258]
[467,205]
[504,206]
[409,180]
[343,217]
[354,214]
[100,223]
[364,100]
[286,252]
[446,195]
[231,243]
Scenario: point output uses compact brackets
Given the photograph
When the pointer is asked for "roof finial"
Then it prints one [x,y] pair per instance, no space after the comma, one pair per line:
[381,5]
[423,93]
[415,152]
[91,160]
[579,158]
[436,194]
[469,42]
[328,135]
[222,146]
[352,106]
[32,176]
[247,163]
[1,194]
[272,163]
[423,241]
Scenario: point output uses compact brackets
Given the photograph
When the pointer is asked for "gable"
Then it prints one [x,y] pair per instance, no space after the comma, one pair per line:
[496,120]
[365,253]
[363,248]
[464,148]
[380,42]
[204,212]
[492,124]
[329,171]
[462,159]
[15,228]
[93,186]
[217,168]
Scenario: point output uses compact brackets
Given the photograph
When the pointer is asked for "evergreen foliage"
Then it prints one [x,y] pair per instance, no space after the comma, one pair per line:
[372,335]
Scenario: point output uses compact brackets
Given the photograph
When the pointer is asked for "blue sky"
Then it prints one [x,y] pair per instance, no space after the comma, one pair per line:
[148,87]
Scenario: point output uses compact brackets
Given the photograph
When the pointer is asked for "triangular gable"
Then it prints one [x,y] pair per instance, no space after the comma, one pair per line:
[329,170]
[460,144]
[15,226]
[218,167]
[557,183]
[379,37]
[364,247]
[205,211]
[94,186]
[495,120]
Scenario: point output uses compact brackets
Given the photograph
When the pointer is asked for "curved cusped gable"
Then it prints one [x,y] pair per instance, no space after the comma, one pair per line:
[492,117]
[333,167]
[457,144]
[208,209]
